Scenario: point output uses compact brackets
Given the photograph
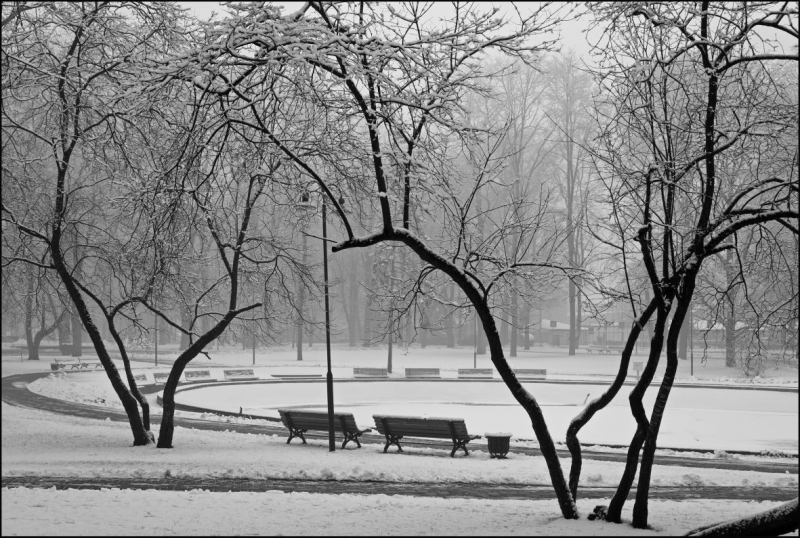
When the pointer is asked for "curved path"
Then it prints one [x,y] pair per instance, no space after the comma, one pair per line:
[15,392]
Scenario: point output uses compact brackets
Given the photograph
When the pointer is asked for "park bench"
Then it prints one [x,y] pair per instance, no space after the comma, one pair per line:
[239,374]
[160,378]
[63,364]
[141,379]
[299,421]
[370,372]
[475,373]
[423,373]
[607,349]
[197,376]
[91,364]
[530,373]
[75,364]
[395,427]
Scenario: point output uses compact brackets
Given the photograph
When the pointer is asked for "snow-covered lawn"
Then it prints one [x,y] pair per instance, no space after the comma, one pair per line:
[39,443]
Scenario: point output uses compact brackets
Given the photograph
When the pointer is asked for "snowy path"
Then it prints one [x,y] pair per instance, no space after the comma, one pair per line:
[449,490]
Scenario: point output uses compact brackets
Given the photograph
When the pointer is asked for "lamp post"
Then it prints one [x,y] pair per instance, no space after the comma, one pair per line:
[329,377]
[306,205]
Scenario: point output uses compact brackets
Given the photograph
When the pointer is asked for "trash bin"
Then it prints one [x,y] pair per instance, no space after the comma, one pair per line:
[499,443]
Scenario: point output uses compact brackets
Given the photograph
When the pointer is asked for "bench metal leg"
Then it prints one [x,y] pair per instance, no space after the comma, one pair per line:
[459,444]
[393,440]
[296,433]
[351,437]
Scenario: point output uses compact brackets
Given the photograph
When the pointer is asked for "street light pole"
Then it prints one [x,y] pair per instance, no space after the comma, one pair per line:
[329,379]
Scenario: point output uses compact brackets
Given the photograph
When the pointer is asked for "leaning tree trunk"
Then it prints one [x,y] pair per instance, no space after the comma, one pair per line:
[780,520]
[637,410]
[573,443]
[141,436]
[167,429]
[525,399]
[134,388]
[648,454]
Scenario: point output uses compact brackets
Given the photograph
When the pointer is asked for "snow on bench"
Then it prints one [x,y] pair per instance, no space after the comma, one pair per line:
[370,372]
[422,373]
[299,421]
[141,379]
[75,364]
[197,376]
[395,427]
[240,374]
[475,373]
[530,373]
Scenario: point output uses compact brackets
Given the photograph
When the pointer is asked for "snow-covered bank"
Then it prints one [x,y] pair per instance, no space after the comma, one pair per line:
[126,512]
[39,443]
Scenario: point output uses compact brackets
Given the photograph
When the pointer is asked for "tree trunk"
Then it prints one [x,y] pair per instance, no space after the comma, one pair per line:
[140,434]
[573,443]
[134,388]
[167,429]
[523,397]
[640,508]
[637,409]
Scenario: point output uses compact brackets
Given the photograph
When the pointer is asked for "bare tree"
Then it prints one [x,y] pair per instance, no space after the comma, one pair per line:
[61,62]
[696,93]
[403,98]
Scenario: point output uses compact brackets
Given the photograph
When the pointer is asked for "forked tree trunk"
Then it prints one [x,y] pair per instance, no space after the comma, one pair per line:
[614,513]
[167,429]
[573,443]
[523,397]
[141,436]
[640,507]
[132,385]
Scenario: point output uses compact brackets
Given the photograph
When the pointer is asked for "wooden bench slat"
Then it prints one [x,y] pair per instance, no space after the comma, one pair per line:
[531,372]
[475,372]
[239,373]
[300,421]
[395,428]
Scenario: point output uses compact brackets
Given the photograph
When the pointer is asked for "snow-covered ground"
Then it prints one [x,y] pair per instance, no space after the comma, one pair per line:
[697,418]
[39,443]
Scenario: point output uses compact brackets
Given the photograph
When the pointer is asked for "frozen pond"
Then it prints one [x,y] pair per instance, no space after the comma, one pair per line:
[696,418]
